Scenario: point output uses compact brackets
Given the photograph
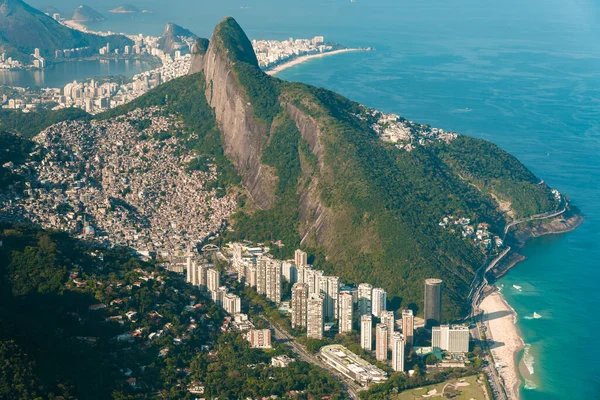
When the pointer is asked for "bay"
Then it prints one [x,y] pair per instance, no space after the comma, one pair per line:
[62,73]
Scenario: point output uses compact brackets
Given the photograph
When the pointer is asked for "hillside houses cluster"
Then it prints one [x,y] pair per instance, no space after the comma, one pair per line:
[120,182]
[479,233]
[404,134]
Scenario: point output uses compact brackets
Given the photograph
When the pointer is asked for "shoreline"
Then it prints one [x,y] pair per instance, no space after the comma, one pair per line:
[302,59]
[506,343]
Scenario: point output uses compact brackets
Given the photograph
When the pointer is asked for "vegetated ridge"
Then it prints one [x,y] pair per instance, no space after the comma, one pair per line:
[24,28]
[319,177]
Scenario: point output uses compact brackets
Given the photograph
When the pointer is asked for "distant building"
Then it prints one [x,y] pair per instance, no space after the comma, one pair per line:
[387,318]
[299,304]
[345,306]
[314,318]
[453,339]
[330,287]
[300,258]
[281,361]
[268,278]
[259,338]
[381,342]
[378,301]
[398,346]
[351,365]
[232,303]
[364,298]
[366,332]
[213,279]
[289,272]
[408,326]
[433,302]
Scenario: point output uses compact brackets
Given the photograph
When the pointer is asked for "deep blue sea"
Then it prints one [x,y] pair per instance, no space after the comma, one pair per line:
[528,72]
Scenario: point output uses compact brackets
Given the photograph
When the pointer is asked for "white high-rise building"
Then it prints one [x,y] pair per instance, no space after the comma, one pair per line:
[261,275]
[232,303]
[213,279]
[364,298]
[273,281]
[453,339]
[289,272]
[345,306]
[381,342]
[398,351]
[300,257]
[330,287]
[314,318]
[201,275]
[387,318]
[299,304]
[188,270]
[378,301]
[366,332]
[408,326]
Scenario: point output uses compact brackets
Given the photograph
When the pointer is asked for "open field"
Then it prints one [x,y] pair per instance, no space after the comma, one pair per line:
[469,388]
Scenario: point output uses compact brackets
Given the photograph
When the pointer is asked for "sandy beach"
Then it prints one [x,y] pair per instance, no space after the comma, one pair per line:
[500,319]
[303,59]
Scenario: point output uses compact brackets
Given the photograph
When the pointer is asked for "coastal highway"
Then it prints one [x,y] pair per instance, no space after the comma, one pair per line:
[533,218]
[349,386]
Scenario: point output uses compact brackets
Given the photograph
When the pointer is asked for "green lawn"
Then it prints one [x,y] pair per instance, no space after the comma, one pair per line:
[474,390]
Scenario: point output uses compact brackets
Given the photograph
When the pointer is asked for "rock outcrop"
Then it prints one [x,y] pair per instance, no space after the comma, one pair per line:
[173,37]
[243,135]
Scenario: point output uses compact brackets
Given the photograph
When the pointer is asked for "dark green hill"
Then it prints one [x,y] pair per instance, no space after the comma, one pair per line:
[321,178]
[24,28]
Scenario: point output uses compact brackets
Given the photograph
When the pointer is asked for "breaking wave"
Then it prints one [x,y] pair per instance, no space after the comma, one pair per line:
[528,359]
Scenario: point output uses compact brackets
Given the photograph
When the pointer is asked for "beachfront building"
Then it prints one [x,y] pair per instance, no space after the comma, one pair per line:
[450,338]
[378,301]
[381,342]
[345,306]
[299,304]
[366,332]
[408,326]
[314,318]
[365,291]
[433,302]
[351,365]
[398,345]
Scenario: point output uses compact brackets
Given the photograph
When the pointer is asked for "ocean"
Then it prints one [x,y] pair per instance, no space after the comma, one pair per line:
[523,74]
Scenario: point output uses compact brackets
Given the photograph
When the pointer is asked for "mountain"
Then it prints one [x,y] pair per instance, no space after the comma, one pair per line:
[87,14]
[24,28]
[319,176]
[176,37]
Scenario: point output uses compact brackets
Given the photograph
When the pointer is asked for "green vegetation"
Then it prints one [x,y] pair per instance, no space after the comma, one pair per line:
[56,345]
[184,98]
[261,89]
[495,171]
[15,149]
[281,221]
[25,28]
[32,123]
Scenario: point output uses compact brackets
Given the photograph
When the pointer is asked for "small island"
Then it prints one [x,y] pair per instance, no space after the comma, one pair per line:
[87,14]
[125,9]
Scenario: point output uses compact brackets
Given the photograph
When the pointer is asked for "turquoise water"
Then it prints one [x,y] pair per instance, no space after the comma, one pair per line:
[528,71]
[60,74]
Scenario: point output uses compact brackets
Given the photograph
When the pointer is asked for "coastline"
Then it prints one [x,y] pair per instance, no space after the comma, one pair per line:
[305,58]
[505,341]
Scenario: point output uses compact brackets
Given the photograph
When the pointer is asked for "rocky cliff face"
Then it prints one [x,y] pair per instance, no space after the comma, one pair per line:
[243,135]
